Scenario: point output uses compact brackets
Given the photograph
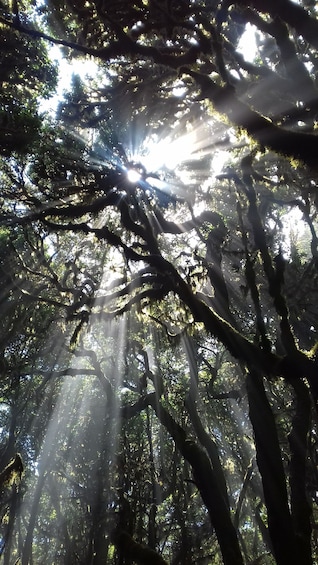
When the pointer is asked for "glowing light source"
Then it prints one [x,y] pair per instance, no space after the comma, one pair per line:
[133,175]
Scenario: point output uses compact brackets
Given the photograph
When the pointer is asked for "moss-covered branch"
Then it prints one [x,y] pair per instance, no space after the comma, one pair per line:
[291,144]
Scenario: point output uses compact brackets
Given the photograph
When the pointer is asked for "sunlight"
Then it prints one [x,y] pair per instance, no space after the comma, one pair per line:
[157,281]
[169,153]
[192,149]
[218,161]
[84,419]
[247,45]
[296,232]
[161,155]
[133,175]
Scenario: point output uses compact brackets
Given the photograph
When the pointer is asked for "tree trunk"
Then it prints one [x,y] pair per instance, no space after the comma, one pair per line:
[298,442]
[286,549]
[207,485]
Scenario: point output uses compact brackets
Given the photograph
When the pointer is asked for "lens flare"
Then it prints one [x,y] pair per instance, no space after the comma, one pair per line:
[133,175]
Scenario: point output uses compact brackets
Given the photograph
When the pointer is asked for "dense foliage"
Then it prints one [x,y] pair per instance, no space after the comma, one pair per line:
[158,283]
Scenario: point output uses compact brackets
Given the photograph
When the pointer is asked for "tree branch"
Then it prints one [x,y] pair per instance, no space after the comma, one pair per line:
[291,144]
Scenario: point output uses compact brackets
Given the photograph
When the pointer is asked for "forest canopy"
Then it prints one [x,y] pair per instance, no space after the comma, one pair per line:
[158,282]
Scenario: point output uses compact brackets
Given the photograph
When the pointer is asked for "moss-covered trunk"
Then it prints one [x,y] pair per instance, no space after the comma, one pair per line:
[286,546]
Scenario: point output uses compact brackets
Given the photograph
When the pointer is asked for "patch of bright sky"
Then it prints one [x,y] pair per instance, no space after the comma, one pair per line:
[168,153]
[293,223]
[247,45]
[86,69]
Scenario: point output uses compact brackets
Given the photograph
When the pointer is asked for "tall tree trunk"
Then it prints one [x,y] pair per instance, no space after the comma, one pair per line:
[286,549]
[14,503]
[298,442]
[207,484]
[27,548]
[204,438]
[47,459]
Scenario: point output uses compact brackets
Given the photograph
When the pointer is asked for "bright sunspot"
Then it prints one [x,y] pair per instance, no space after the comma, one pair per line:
[133,175]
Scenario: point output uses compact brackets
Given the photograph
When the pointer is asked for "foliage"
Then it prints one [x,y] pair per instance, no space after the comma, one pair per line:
[27,75]
[158,346]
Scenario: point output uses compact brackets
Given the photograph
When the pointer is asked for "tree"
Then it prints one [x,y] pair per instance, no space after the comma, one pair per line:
[26,75]
[228,290]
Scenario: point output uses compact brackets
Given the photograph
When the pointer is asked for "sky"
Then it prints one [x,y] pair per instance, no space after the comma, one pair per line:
[86,69]
[170,156]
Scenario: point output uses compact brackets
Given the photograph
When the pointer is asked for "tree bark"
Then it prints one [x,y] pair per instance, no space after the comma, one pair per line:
[207,484]
[298,442]
[286,549]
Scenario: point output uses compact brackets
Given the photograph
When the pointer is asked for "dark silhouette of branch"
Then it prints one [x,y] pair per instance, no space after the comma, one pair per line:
[291,13]
[291,144]
[124,47]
